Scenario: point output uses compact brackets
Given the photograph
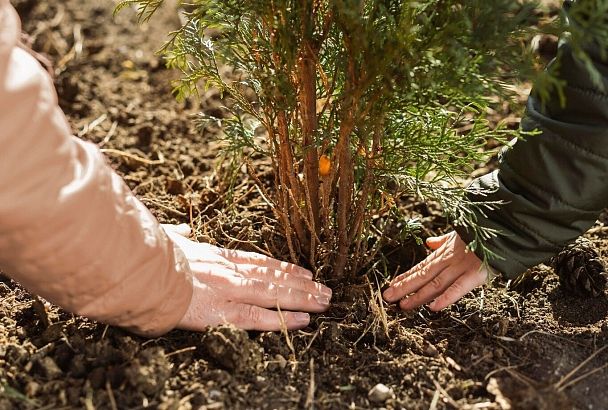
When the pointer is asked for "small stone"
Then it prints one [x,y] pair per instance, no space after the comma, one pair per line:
[31,389]
[49,368]
[380,393]
[281,361]
[431,351]
[215,395]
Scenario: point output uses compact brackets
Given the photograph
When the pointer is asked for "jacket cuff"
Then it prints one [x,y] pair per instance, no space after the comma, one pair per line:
[175,303]
[502,265]
[517,245]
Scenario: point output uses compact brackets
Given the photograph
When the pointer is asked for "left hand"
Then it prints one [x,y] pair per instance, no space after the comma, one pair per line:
[446,275]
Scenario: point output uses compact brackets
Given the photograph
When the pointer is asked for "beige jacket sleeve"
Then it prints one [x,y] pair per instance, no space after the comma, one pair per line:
[70,229]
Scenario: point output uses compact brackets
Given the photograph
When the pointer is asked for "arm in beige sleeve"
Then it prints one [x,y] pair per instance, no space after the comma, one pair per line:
[70,229]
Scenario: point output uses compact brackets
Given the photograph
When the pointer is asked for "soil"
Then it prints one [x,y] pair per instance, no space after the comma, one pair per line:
[498,348]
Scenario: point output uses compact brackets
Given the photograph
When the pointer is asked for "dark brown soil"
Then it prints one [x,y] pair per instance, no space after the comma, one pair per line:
[495,349]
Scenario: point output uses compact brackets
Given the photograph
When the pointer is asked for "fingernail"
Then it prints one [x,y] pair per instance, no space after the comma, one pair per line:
[389,293]
[301,317]
[325,291]
[404,304]
[322,300]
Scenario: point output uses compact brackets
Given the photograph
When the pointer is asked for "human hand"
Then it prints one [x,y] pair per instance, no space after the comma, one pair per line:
[241,288]
[446,275]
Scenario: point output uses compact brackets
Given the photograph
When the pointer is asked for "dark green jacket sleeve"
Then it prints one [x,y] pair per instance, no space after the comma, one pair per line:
[555,184]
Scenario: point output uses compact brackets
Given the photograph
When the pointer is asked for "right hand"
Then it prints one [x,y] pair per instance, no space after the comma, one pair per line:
[446,275]
[241,288]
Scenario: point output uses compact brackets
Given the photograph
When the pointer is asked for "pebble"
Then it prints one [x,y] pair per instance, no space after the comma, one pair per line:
[431,351]
[31,389]
[50,368]
[215,395]
[281,361]
[380,393]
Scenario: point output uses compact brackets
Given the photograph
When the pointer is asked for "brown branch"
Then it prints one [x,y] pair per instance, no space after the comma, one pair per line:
[345,167]
[360,211]
[307,102]
[289,180]
[345,190]
[308,116]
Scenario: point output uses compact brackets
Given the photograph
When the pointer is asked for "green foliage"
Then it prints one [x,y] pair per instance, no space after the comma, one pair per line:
[145,9]
[583,23]
[587,25]
[16,396]
[398,91]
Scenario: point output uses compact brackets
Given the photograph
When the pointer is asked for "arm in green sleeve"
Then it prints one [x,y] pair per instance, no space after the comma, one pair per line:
[552,185]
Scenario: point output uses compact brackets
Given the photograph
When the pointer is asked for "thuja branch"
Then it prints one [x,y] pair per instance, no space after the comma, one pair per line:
[361,102]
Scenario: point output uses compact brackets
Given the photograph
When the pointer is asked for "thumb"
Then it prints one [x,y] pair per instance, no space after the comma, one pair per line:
[435,242]
[181,229]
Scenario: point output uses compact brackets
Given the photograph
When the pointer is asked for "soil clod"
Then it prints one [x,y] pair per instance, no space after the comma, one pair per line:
[232,349]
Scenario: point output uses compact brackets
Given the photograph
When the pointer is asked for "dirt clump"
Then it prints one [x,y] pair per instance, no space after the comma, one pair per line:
[231,349]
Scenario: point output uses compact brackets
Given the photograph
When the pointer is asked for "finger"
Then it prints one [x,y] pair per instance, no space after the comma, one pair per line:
[211,310]
[258,292]
[459,288]
[270,295]
[431,263]
[416,277]
[251,317]
[434,242]
[282,278]
[253,258]
[431,290]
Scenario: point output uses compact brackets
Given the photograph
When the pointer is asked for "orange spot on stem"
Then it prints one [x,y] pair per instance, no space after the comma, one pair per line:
[324,165]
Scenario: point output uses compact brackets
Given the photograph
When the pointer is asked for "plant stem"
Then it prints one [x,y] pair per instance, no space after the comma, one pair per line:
[308,115]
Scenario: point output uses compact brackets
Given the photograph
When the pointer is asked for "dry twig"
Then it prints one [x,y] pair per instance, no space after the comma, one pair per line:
[133,156]
[111,395]
[310,397]
[566,381]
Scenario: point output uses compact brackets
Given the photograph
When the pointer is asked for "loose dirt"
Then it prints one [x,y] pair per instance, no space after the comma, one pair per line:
[496,349]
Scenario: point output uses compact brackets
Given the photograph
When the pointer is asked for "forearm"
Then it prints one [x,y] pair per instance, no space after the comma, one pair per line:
[552,185]
[70,229]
